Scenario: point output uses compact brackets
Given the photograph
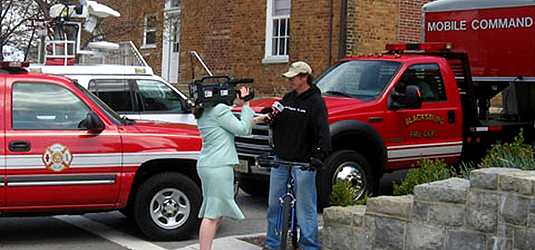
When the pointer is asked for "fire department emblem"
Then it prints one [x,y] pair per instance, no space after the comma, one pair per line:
[57,157]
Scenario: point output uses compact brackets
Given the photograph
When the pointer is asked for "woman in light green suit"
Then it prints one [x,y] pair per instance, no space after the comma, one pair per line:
[218,126]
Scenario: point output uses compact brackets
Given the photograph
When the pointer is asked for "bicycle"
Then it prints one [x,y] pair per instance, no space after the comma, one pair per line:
[288,200]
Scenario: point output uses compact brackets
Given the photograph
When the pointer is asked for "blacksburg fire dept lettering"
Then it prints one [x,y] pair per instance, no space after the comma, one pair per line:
[481,24]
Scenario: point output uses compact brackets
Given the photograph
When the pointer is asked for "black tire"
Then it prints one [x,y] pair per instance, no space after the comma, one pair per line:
[338,160]
[175,189]
[286,209]
[254,187]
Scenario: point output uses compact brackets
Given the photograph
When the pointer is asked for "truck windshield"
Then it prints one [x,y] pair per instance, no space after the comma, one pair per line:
[358,79]
[116,118]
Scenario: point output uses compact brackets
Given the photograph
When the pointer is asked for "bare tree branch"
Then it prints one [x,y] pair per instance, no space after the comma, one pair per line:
[16,26]
[43,6]
[10,4]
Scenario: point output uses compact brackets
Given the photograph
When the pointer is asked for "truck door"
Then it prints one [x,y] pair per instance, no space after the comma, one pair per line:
[432,131]
[51,162]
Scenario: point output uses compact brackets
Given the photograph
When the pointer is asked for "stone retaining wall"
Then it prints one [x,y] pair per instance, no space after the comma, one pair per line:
[494,210]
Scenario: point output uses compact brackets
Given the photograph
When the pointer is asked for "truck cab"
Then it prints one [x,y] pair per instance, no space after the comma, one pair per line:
[385,112]
[66,152]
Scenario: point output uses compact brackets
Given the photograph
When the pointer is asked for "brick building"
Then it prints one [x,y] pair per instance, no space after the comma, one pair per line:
[258,39]
[236,36]
[153,26]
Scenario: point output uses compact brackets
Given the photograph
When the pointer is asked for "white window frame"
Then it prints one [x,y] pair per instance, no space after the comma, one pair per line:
[146,30]
[268,56]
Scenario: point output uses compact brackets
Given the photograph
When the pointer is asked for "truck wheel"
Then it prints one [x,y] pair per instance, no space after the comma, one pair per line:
[254,187]
[166,207]
[345,165]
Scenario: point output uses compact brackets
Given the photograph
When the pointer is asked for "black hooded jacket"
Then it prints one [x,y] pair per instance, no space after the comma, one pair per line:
[301,130]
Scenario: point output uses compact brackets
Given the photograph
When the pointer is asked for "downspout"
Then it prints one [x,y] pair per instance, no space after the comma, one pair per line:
[331,15]
[343,30]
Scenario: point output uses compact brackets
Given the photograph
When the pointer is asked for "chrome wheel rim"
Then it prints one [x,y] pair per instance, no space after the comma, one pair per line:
[170,208]
[352,173]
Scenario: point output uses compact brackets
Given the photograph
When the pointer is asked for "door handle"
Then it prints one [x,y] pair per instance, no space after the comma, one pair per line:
[451,117]
[20,146]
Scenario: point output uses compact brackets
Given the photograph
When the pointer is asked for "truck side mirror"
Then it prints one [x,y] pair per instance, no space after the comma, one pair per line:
[92,123]
[188,105]
[412,98]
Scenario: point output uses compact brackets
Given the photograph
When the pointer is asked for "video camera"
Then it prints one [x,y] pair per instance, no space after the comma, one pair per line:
[212,90]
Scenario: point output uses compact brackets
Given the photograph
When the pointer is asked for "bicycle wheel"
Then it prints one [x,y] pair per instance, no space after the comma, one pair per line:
[286,209]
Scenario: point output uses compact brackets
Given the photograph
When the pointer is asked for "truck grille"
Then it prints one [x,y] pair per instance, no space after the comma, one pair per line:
[255,144]
[249,147]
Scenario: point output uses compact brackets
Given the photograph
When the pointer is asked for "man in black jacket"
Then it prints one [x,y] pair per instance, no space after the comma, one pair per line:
[300,132]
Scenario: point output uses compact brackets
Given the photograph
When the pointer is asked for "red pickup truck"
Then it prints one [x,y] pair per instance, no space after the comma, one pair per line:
[449,98]
[63,151]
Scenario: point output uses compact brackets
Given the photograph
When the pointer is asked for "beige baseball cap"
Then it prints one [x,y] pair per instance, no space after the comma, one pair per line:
[298,68]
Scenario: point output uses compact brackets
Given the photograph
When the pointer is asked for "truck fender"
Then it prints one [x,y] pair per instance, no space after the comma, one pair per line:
[369,141]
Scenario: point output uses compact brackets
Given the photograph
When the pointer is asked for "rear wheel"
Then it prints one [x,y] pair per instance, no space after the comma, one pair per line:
[346,165]
[166,206]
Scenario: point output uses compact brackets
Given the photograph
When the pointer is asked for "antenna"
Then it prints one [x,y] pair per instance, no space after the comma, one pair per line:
[67,21]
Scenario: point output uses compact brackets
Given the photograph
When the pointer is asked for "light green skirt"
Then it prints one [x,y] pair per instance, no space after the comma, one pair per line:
[218,193]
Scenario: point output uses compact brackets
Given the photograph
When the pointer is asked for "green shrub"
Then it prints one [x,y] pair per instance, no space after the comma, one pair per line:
[463,170]
[429,171]
[514,154]
[363,200]
[343,194]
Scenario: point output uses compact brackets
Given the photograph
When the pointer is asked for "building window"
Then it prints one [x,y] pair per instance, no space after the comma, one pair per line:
[277,31]
[149,36]
[172,4]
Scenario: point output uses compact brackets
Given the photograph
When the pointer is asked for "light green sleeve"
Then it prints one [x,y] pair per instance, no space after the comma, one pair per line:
[231,123]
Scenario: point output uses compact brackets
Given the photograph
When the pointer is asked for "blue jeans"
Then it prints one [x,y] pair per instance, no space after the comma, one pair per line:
[307,216]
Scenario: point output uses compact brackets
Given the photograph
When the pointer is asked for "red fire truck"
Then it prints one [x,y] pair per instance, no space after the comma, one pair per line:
[470,85]
[65,152]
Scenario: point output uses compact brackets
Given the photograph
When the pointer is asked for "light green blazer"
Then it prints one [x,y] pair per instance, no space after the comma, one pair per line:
[218,126]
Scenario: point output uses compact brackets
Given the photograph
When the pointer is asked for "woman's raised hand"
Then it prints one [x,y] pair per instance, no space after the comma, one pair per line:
[244,91]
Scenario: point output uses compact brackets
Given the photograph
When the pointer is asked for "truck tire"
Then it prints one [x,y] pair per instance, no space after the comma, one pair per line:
[254,187]
[349,165]
[166,207]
